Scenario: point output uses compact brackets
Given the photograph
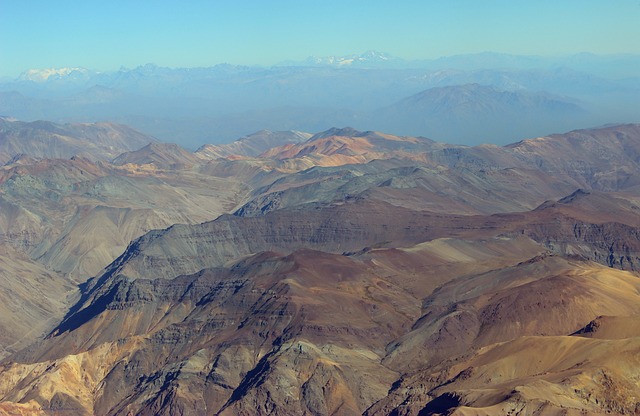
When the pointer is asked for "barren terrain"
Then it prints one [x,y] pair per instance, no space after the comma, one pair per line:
[344,272]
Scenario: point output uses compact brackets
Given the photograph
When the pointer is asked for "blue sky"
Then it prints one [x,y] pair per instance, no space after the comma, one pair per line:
[105,35]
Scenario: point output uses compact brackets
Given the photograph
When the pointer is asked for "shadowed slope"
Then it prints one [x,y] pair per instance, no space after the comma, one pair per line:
[331,300]
[252,335]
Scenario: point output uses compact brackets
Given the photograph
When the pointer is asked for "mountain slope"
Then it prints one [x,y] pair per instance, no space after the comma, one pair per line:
[41,139]
[336,147]
[541,370]
[161,155]
[32,299]
[455,112]
[64,220]
[253,144]
[253,320]
[434,279]
[438,177]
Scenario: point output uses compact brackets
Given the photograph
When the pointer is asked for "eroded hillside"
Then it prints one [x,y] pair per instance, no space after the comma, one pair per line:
[342,273]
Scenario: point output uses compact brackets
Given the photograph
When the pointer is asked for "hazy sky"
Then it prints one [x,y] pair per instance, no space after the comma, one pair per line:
[105,35]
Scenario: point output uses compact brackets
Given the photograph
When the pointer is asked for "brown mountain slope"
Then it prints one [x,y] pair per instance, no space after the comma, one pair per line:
[32,299]
[252,145]
[546,296]
[62,221]
[42,139]
[604,158]
[601,158]
[532,375]
[467,311]
[608,237]
[327,299]
[347,226]
[161,155]
[337,147]
[440,189]
[251,336]
[443,178]
[257,334]
[241,325]
[611,327]
[76,216]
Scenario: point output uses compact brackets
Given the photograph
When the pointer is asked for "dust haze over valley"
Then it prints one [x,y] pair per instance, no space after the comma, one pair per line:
[467,99]
[369,233]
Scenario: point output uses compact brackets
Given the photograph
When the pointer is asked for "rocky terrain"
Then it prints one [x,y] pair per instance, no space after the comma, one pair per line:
[253,144]
[62,220]
[342,273]
[43,139]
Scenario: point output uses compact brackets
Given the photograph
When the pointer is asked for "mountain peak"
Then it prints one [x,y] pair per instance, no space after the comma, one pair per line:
[253,144]
[336,131]
[370,58]
[579,193]
[51,74]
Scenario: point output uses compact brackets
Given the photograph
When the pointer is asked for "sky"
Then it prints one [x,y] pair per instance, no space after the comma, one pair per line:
[106,35]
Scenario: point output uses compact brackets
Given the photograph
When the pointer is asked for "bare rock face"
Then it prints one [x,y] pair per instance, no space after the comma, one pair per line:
[608,237]
[160,155]
[42,139]
[76,216]
[63,220]
[257,335]
[341,227]
[32,301]
[252,145]
[452,280]
[254,335]
[249,325]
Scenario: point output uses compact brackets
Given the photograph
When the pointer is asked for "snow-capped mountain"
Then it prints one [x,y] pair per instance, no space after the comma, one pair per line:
[367,59]
[53,74]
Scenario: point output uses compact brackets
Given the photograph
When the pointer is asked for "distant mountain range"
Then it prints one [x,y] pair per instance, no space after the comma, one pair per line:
[368,59]
[488,113]
[194,106]
[56,74]
[616,65]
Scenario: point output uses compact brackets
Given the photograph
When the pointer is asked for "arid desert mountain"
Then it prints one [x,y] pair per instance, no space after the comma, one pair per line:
[161,155]
[483,110]
[253,144]
[42,139]
[339,273]
[63,220]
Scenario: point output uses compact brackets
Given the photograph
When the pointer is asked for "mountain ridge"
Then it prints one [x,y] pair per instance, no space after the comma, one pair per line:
[252,145]
[99,141]
[388,285]
[194,106]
